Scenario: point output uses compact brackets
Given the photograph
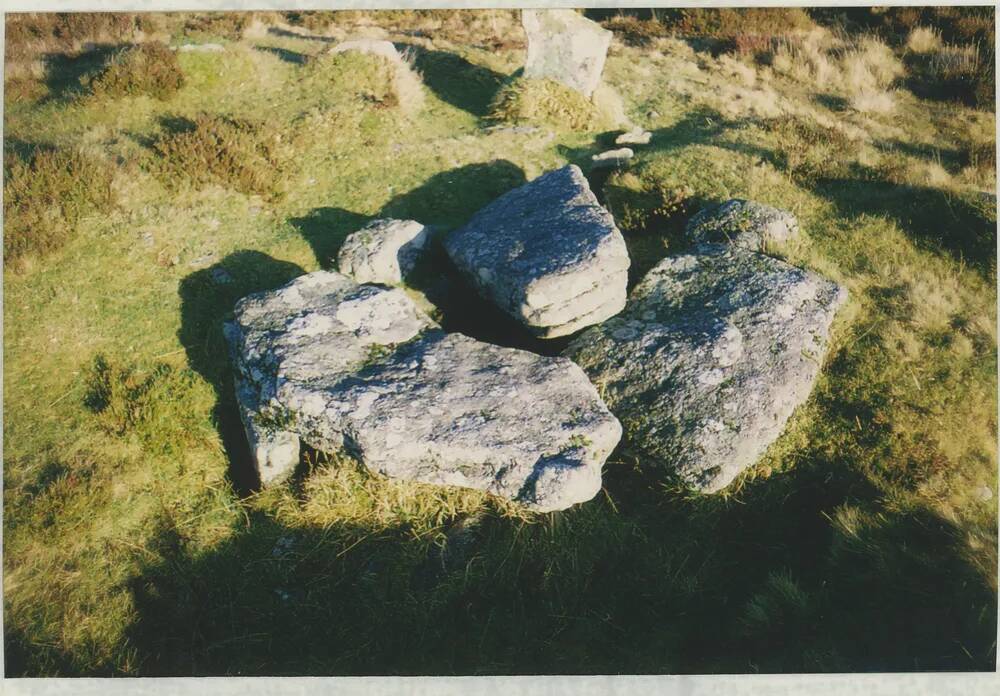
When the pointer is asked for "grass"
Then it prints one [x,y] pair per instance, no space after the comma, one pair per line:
[136,544]
[147,69]
[46,192]
[550,103]
[244,155]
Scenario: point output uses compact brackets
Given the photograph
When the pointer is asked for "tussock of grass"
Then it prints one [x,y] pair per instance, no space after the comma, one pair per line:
[150,403]
[375,79]
[550,103]
[923,40]
[341,491]
[45,195]
[862,69]
[241,154]
[149,69]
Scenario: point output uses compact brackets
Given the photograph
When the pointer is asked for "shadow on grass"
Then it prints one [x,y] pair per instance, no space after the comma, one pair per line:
[207,296]
[293,57]
[455,80]
[642,579]
[934,219]
[64,73]
[950,158]
[638,580]
[325,229]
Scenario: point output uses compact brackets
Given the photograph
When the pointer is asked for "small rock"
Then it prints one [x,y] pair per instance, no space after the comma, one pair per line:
[201,48]
[546,253]
[612,158]
[516,130]
[984,493]
[203,260]
[636,136]
[566,47]
[370,46]
[147,239]
[383,251]
[746,224]
[220,276]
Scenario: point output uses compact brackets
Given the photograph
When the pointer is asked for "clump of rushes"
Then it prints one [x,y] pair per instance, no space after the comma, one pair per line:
[149,69]
[550,103]
[44,195]
[237,153]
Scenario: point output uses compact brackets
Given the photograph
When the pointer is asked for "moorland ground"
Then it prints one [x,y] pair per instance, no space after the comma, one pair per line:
[146,190]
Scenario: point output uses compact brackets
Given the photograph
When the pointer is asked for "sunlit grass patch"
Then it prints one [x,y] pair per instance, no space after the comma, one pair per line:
[46,192]
[864,539]
[550,103]
[146,69]
[242,154]
[378,81]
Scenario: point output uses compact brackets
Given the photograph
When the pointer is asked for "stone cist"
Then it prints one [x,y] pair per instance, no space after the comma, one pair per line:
[343,366]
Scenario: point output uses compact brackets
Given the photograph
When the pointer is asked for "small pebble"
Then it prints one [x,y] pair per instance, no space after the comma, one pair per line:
[220,276]
[636,136]
[612,158]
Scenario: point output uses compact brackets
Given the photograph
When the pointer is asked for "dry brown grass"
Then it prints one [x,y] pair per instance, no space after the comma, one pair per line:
[923,40]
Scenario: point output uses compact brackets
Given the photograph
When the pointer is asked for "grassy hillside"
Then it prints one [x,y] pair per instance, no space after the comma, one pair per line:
[139,207]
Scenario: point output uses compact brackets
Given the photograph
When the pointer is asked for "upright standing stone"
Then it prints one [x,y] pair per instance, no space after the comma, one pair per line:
[566,47]
[546,253]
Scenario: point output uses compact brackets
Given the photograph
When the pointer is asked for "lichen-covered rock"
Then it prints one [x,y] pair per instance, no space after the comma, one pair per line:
[546,253]
[712,354]
[612,158]
[275,452]
[376,47]
[747,224]
[359,367]
[636,136]
[566,47]
[383,251]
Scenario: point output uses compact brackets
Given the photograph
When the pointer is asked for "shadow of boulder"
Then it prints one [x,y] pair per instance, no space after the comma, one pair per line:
[325,229]
[451,197]
[934,219]
[454,79]
[65,74]
[207,296]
